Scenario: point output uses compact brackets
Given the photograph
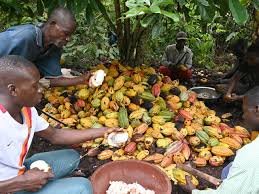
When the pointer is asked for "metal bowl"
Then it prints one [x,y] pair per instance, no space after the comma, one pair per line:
[206,93]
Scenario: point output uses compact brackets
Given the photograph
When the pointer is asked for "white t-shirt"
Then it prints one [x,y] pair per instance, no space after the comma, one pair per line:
[13,136]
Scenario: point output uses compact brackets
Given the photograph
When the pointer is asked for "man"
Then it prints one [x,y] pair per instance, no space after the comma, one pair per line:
[19,92]
[251,111]
[245,76]
[43,45]
[177,59]
[241,176]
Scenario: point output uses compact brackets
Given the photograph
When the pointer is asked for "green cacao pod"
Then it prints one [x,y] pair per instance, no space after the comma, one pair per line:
[203,136]
[96,102]
[146,118]
[184,96]
[123,118]
[167,115]
[119,96]
[147,96]
[135,122]
[213,141]
[161,102]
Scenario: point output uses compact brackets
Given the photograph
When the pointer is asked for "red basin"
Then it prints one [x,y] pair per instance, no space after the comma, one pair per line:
[131,171]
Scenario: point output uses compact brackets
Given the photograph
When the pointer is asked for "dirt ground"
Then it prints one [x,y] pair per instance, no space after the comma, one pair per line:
[88,165]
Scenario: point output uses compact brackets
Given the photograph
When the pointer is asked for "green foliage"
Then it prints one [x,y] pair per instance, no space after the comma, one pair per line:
[89,44]
[207,9]
[209,23]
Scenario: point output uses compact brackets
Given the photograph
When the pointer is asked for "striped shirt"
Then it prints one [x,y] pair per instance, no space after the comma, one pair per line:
[243,177]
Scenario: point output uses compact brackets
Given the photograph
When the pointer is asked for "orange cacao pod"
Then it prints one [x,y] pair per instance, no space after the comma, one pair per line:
[200,161]
[130,148]
[167,160]
[141,129]
[156,90]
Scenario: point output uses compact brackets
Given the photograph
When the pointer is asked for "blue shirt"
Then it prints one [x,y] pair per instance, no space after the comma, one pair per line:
[27,41]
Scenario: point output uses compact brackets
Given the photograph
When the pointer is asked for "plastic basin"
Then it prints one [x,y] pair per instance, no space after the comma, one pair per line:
[131,171]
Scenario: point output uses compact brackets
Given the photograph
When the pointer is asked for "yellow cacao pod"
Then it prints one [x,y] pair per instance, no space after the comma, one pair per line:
[86,122]
[158,120]
[180,175]
[142,154]
[131,93]
[111,123]
[105,103]
[129,84]
[113,105]
[133,107]
[102,120]
[139,89]
[112,115]
[137,114]
[231,142]
[126,101]
[104,155]
[221,151]
[136,78]
[179,158]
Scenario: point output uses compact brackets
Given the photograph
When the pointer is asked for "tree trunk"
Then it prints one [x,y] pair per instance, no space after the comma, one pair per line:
[119,29]
[129,43]
[140,49]
[127,36]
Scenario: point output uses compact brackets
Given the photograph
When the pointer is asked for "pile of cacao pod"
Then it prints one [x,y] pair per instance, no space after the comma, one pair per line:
[165,122]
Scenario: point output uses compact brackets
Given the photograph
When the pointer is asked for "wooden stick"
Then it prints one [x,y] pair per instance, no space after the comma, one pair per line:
[200,174]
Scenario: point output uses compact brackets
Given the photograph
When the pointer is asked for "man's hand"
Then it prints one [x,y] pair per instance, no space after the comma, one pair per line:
[110,130]
[85,77]
[182,67]
[34,179]
[231,97]
[189,185]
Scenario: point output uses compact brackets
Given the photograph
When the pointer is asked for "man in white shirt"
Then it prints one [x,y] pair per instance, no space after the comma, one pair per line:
[177,59]
[242,175]
[19,92]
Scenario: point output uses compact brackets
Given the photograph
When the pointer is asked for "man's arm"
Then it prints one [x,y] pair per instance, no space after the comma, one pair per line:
[31,180]
[165,58]
[50,69]
[70,136]
[63,81]
[232,85]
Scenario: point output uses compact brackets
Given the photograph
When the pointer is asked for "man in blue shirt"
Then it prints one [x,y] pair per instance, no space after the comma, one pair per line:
[43,45]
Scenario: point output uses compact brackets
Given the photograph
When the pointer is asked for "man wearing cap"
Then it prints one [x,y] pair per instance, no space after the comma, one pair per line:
[177,59]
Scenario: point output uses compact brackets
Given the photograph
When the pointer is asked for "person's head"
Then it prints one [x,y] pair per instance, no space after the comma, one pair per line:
[239,48]
[19,81]
[251,108]
[252,55]
[181,38]
[59,27]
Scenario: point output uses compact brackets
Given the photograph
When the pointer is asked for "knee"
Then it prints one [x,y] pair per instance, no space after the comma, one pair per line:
[84,185]
[73,154]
